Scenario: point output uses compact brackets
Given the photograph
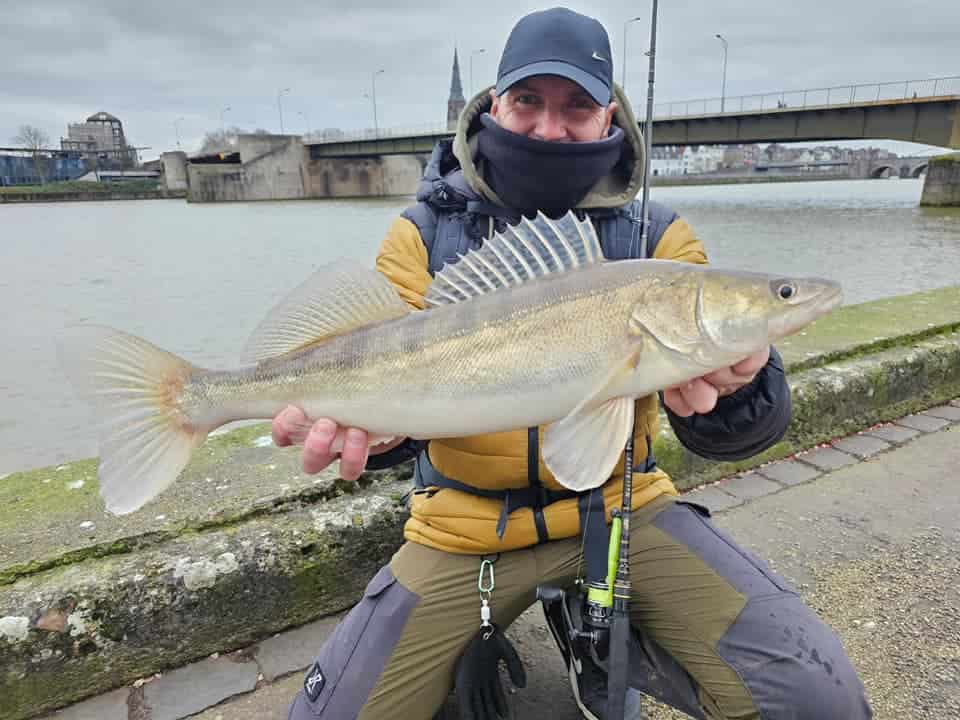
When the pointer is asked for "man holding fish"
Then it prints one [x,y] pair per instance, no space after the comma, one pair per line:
[721,634]
[513,338]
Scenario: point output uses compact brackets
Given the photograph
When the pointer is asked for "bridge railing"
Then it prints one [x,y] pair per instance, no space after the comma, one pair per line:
[365,134]
[812,97]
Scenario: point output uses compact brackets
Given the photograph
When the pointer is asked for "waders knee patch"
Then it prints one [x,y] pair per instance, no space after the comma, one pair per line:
[351,660]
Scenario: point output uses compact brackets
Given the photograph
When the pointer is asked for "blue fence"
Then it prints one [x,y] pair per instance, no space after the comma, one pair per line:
[23,170]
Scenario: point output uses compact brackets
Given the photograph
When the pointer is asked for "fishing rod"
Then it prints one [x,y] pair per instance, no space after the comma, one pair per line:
[618,665]
[597,623]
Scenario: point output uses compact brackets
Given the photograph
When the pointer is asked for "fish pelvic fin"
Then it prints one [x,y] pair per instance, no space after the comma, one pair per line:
[582,449]
[134,388]
[528,250]
[339,297]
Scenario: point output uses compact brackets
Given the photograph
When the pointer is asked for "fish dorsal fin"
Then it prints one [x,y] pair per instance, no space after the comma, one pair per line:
[531,249]
[336,299]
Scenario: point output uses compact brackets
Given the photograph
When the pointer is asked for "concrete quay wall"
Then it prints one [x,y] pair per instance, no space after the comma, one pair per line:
[374,176]
[244,545]
[279,167]
[270,167]
[942,185]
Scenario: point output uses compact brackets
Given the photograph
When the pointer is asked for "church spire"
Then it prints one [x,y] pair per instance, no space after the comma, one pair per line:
[456,89]
[455,103]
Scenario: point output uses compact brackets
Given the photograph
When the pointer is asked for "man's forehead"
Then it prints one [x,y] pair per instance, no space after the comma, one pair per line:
[549,83]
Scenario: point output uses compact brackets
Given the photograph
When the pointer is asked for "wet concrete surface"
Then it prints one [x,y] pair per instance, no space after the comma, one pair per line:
[871,547]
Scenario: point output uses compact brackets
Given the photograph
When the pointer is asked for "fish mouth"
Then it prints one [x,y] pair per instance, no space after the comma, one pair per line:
[801,315]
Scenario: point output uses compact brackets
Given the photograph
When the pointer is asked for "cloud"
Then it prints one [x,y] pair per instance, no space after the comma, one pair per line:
[152,63]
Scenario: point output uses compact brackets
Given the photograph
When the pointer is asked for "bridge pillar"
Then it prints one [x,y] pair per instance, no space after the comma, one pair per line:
[174,169]
[942,186]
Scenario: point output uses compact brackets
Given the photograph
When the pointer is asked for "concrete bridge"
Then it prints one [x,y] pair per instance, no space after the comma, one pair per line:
[922,111]
[391,161]
[903,167]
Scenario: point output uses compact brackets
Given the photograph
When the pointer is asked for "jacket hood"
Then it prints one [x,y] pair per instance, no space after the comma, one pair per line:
[616,189]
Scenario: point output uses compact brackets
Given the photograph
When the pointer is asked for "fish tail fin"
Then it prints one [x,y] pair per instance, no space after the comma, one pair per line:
[134,387]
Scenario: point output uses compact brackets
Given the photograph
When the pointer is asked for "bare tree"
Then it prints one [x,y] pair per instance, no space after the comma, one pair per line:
[219,140]
[34,139]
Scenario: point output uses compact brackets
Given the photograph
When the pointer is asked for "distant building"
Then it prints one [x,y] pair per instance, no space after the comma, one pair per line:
[740,156]
[456,103]
[101,135]
[666,160]
[701,159]
[33,168]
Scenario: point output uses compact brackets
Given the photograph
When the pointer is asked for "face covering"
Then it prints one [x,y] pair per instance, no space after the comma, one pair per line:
[531,175]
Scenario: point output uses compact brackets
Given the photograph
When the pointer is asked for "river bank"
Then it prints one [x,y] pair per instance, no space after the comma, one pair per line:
[116,191]
[752,179]
[244,545]
[87,191]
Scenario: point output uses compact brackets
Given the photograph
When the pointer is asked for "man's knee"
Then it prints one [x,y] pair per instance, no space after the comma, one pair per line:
[824,691]
[792,664]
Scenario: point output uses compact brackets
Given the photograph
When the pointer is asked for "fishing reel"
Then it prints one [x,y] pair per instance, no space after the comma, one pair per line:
[580,625]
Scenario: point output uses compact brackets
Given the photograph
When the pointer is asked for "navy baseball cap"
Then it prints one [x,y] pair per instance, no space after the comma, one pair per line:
[558,42]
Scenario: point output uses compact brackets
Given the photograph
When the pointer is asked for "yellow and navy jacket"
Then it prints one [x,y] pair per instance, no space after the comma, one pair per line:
[455,212]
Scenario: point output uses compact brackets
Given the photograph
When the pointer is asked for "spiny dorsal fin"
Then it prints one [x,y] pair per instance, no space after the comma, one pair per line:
[337,298]
[531,249]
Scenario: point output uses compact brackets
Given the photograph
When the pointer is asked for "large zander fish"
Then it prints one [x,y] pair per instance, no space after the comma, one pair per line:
[533,328]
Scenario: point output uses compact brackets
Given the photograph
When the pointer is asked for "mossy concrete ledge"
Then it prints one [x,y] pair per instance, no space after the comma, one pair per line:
[244,545]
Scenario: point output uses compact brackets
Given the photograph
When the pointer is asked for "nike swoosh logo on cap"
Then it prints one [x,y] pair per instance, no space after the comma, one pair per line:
[597,57]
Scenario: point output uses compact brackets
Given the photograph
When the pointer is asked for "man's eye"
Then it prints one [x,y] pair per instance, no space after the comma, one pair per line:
[528,99]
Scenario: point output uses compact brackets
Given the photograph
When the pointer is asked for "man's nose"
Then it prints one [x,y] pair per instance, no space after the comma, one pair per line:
[551,126]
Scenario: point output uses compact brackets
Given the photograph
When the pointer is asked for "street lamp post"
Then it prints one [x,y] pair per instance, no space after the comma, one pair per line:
[176,130]
[376,127]
[472,53]
[723,84]
[280,107]
[623,71]
[306,120]
[223,126]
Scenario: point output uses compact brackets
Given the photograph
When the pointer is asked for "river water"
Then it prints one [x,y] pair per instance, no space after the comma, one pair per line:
[196,279]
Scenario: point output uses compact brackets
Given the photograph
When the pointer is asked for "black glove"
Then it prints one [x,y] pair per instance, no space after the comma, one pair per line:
[478,689]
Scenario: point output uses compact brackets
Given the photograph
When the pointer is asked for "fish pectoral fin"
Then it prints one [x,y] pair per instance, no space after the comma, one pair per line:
[582,449]
[336,299]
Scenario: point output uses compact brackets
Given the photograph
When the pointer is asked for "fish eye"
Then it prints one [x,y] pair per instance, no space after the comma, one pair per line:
[786,291]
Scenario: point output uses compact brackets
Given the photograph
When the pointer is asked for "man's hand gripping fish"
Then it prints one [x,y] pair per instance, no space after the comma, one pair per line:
[533,328]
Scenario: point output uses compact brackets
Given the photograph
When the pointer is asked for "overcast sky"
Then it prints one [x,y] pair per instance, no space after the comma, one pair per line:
[150,63]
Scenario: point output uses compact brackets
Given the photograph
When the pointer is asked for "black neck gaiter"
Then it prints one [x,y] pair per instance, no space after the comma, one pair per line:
[531,175]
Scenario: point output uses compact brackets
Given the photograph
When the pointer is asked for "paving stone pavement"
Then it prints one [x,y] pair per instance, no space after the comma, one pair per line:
[748,486]
[789,472]
[258,683]
[924,423]
[714,498]
[863,446]
[827,458]
[893,433]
